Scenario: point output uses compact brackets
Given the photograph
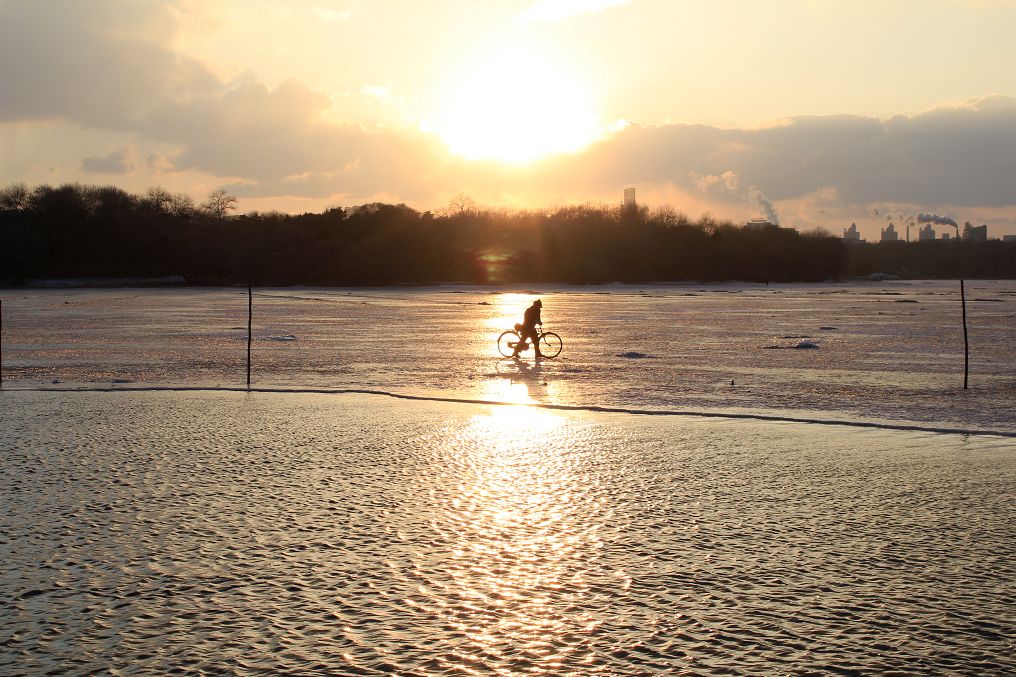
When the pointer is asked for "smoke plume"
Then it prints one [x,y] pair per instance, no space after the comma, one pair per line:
[765,204]
[935,218]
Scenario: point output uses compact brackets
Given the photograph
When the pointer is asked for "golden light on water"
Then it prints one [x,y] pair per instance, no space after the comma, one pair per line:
[519,533]
[524,526]
[508,309]
[508,389]
[510,427]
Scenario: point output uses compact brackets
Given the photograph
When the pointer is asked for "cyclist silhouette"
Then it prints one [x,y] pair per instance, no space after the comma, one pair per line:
[527,330]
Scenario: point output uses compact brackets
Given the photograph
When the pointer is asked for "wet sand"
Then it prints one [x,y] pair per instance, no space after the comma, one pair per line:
[356,534]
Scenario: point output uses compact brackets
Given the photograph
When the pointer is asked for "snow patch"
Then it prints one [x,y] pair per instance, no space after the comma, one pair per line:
[804,343]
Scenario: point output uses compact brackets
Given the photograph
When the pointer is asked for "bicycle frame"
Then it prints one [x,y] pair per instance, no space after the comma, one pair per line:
[517,344]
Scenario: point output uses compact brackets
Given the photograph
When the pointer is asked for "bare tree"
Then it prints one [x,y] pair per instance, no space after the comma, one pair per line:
[219,202]
[462,204]
[668,216]
[159,199]
[15,197]
[181,205]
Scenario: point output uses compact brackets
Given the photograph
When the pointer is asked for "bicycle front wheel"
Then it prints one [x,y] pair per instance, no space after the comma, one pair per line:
[551,344]
[506,343]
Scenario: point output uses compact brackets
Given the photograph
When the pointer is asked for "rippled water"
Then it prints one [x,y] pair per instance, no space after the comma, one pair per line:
[224,532]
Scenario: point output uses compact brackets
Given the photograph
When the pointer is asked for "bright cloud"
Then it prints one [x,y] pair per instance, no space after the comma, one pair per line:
[118,162]
[557,10]
[332,15]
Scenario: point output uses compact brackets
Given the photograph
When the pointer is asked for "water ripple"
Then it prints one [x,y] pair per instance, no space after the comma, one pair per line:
[224,532]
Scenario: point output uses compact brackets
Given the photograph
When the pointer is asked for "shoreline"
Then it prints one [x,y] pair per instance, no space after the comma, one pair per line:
[177,282]
[581,408]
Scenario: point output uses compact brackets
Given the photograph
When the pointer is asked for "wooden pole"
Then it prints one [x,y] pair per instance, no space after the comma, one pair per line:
[1,343]
[250,324]
[966,344]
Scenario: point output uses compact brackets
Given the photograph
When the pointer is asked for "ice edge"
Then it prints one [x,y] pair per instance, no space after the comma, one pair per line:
[538,405]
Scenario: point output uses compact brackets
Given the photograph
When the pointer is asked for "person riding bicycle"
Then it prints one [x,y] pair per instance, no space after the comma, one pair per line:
[527,330]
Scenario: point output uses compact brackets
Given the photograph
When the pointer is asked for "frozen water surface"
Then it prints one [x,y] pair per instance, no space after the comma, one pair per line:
[843,351]
[221,532]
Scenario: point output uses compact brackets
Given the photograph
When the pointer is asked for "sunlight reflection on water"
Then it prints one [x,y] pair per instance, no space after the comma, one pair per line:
[508,309]
[506,389]
[518,533]
[522,382]
[242,533]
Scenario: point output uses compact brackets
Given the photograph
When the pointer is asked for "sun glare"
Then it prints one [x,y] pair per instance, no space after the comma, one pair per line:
[516,106]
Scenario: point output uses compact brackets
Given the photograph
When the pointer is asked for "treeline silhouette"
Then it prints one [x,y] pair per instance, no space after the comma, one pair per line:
[947,259]
[78,231]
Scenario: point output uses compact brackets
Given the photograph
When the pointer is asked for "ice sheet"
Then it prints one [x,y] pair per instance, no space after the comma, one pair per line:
[876,351]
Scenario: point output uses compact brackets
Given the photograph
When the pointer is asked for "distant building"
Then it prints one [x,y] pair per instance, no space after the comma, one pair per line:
[1009,238]
[926,233]
[759,224]
[851,234]
[945,236]
[629,198]
[889,234]
[975,233]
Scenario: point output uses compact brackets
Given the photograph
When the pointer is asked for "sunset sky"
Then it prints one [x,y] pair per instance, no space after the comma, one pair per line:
[825,112]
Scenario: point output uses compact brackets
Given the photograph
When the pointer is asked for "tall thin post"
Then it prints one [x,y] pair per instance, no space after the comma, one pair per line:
[966,344]
[250,324]
[1,343]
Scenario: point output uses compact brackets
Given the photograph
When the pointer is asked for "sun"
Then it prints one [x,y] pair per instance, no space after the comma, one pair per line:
[515,106]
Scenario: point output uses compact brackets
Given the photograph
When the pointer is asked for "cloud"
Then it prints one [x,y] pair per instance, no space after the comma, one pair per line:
[960,155]
[728,182]
[270,138]
[118,162]
[558,10]
[160,163]
[812,170]
[99,63]
[331,15]
[377,92]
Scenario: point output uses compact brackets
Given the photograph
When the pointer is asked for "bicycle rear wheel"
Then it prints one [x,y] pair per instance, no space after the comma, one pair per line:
[550,344]
[506,343]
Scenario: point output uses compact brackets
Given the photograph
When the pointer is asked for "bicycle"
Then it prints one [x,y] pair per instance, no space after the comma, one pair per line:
[549,342]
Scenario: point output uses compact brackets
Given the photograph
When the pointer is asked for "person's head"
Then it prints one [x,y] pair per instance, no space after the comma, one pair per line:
[538,303]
